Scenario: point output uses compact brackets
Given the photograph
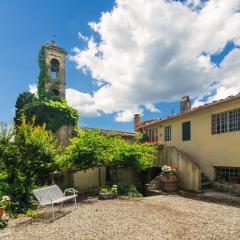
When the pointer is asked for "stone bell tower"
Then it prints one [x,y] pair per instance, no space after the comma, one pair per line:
[52,67]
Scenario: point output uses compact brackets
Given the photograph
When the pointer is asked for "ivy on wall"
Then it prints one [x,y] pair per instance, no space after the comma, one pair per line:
[43,74]
[54,114]
[48,108]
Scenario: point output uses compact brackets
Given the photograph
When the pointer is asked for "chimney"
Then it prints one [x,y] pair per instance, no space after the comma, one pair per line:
[185,104]
[136,122]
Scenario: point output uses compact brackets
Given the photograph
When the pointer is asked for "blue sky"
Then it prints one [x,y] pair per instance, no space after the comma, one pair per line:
[26,25]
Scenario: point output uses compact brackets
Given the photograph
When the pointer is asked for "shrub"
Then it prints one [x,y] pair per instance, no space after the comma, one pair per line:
[3,223]
[32,213]
[27,156]
[109,189]
[130,191]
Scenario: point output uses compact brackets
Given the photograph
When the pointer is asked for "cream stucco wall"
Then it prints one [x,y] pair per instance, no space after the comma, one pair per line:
[82,180]
[205,149]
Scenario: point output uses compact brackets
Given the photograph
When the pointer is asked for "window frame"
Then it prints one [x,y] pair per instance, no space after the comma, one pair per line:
[167,133]
[223,122]
[186,126]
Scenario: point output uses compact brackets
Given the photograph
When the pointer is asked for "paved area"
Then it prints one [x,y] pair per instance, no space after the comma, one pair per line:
[157,217]
[222,196]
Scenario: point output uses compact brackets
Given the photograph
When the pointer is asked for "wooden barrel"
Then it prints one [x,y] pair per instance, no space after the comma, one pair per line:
[2,210]
[168,182]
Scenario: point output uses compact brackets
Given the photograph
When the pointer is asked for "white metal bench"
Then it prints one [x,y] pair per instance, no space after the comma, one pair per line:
[53,195]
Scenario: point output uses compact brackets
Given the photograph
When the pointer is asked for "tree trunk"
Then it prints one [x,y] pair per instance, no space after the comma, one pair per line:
[99,177]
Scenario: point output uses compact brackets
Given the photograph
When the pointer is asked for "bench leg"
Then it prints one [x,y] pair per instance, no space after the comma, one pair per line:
[61,206]
[53,213]
[75,200]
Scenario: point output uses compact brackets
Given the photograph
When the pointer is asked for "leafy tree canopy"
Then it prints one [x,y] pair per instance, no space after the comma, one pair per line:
[27,157]
[22,100]
[91,148]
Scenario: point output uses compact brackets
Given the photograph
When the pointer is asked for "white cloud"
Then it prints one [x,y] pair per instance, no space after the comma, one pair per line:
[229,75]
[152,108]
[84,38]
[32,88]
[82,102]
[127,116]
[151,51]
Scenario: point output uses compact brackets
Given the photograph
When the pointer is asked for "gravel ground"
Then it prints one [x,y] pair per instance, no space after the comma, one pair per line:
[157,217]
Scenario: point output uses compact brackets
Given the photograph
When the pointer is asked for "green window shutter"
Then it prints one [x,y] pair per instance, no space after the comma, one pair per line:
[186,131]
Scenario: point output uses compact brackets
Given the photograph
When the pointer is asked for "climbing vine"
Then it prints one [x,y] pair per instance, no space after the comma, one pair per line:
[47,107]
[43,74]
[53,113]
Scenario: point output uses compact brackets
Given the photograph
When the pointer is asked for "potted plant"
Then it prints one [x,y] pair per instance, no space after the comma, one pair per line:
[168,178]
[4,202]
[108,192]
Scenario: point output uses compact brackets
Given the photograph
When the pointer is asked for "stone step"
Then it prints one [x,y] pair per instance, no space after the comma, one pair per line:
[205,185]
[155,192]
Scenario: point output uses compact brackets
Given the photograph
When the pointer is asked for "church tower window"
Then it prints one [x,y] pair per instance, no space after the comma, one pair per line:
[54,64]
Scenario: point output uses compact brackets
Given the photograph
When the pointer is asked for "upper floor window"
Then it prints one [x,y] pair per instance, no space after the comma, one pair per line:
[186,131]
[226,121]
[54,64]
[167,133]
[153,134]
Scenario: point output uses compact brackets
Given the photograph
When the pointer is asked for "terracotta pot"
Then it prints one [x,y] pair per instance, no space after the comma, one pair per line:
[2,210]
[168,182]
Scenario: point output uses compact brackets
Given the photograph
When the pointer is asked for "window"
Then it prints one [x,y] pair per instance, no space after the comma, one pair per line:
[227,174]
[186,131]
[167,133]
[226,122]
[56,92]
[153,134]
[54,63]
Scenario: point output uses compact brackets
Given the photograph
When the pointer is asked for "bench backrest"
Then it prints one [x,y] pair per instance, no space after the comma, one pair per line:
[44,194]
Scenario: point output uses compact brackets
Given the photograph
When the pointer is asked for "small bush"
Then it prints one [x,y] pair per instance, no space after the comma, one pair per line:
[130,191]
[32,213]
[3,223]
[109,189]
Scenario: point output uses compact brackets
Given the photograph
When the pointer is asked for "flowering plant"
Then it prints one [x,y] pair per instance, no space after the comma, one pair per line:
[4,201]
[168,169]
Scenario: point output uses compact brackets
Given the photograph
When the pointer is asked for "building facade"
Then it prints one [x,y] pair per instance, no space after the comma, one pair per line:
[209,134]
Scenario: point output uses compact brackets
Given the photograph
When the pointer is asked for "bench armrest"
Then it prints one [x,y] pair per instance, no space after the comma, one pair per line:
[70,190]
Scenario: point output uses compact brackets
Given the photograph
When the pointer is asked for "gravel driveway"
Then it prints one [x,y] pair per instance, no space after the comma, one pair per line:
[158,217]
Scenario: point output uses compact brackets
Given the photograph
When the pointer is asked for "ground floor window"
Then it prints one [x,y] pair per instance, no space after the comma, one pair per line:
[227,174]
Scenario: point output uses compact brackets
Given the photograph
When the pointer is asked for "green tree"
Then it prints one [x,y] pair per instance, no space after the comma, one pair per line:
[90,148]
[37,148]
[27,157]
[22,100]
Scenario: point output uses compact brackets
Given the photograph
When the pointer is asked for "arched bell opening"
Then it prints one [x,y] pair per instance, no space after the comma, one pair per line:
[56,92]
[54,64]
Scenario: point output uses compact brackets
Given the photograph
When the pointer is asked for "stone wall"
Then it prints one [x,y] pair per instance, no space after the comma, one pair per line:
[188,172]
[64,134]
